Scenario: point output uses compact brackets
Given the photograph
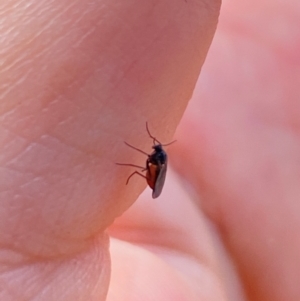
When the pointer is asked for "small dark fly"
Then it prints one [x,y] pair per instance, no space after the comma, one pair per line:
[156,166]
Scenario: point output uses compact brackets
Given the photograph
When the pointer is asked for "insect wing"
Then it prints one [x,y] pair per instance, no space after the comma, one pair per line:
[160,181]
[151,175]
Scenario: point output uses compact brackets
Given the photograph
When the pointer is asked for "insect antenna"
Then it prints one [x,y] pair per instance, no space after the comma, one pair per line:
[132,165]
[154,139]
[168,143]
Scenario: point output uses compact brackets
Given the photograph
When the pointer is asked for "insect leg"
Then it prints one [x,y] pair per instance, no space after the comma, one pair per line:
[133,165]
[137,149]
[135,173]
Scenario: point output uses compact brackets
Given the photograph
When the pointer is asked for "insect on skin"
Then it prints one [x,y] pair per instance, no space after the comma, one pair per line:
[156,166]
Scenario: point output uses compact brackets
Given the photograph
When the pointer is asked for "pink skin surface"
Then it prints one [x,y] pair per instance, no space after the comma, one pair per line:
[77,79]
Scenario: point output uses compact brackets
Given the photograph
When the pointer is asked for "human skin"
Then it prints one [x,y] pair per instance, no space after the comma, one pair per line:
[244,161]
[79,78]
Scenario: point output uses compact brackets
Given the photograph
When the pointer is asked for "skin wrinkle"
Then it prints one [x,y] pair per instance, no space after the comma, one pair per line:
[84,37]
[28,175]
[46,48]
[28,257]
[64,142]
[189,290]
[188,264]
[135,237]
[51,275]
[22,185]
[11,164]
[21,42]
[10,88]
[11,148]
[30,281]
[170,243]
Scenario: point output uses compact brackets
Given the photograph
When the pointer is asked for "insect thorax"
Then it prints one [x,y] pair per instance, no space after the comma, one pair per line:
[158,156]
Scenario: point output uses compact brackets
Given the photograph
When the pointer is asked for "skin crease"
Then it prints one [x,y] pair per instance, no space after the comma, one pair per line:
[69,71]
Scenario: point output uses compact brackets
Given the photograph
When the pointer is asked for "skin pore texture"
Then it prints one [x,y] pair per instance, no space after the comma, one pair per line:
[77,79]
